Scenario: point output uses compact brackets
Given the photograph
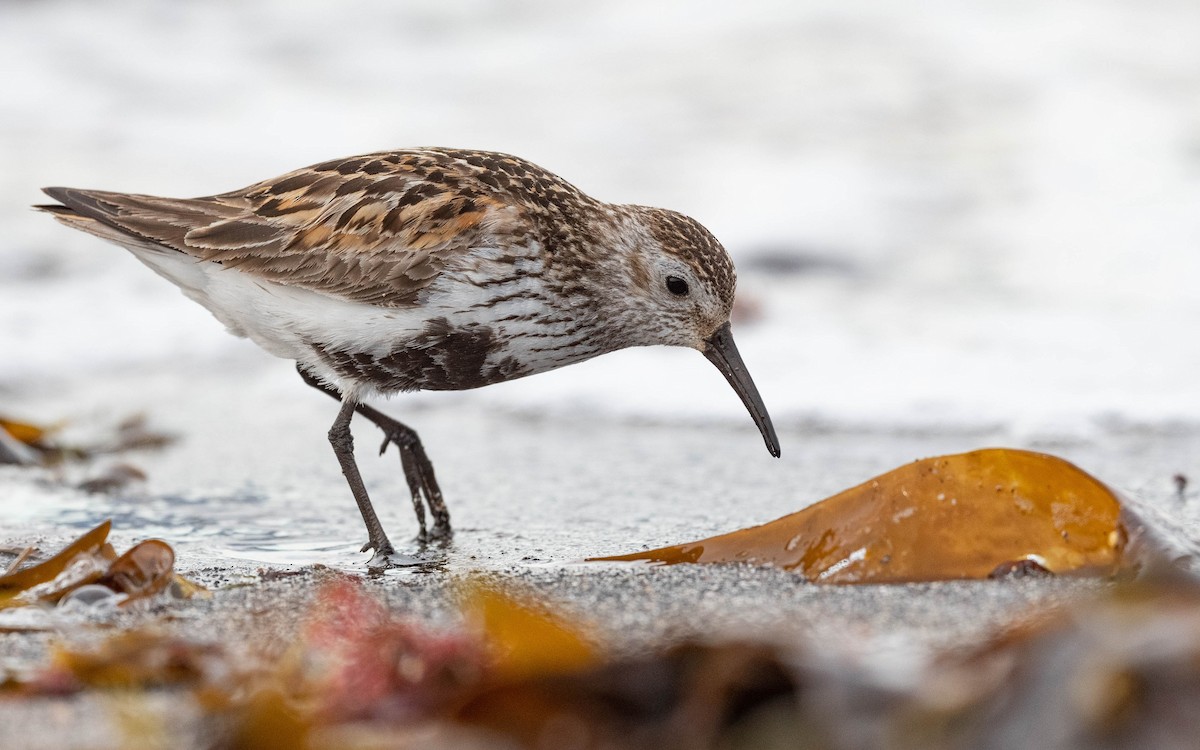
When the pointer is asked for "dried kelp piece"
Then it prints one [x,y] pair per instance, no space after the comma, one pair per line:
[132,433]
[186,588]
[268,717]
[113,479]
[1120,671]
[138,659]
[691,696]
[145,570]
[524,639]
[244,700]
[961,516]
[85,570]
[529,673]
[20,442]
[30,444]
[13,585]
[29,434]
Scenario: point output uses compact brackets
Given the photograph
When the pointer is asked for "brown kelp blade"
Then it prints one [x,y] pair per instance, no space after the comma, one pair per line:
[960,516]
[526,641]
[13,584]
[25,432]
[145,570]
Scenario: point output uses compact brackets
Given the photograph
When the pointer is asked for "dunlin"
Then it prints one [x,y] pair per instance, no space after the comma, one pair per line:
[429,269]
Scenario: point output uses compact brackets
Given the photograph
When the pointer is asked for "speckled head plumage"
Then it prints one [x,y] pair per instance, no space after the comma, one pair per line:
[683,277]
[432,268]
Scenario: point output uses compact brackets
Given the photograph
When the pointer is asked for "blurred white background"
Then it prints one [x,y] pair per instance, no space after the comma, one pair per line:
[943,213]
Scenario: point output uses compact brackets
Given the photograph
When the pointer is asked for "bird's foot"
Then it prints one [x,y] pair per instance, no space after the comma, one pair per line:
[386,557]
[440,534]
[381,546]
[441,524]
[418,471]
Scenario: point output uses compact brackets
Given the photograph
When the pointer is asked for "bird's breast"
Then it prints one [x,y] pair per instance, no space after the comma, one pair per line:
[492,320]
[441,357]
[448,357]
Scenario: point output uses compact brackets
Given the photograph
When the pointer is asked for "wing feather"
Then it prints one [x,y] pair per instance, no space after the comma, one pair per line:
[377,228]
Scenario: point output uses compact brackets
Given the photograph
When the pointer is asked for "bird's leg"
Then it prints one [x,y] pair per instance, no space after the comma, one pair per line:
[418,470]
[343,447]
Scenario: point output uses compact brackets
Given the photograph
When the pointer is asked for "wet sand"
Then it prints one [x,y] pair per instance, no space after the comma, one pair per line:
[251,486]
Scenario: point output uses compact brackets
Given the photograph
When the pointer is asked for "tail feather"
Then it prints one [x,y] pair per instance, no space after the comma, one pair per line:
[128,218]
[54,208]
[86,202]
[69,215]
[86,212]
[153,229]
[131,242]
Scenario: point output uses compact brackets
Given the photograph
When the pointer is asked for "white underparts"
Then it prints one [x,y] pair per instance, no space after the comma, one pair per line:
[286,321]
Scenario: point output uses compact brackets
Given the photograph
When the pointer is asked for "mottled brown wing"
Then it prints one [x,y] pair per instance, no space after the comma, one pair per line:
[369,229]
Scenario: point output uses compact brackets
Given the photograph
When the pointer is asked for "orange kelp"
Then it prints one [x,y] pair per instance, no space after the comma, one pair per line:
[146,569]
[357,675]
[969,515]
[524,640]
[27,443]
[29,434]
[93,544]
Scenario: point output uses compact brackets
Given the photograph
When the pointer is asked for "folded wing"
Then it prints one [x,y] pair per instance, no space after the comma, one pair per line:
[375,229]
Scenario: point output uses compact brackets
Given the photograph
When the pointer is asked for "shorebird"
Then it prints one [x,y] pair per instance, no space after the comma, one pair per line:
[429,269]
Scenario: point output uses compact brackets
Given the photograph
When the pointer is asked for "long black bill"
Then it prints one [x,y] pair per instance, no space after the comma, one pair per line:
[722,352]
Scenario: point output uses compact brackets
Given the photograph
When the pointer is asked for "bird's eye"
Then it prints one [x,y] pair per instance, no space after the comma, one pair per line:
[677,286]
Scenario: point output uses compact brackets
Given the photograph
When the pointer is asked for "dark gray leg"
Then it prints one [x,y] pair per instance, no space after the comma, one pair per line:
[418,470]
[343,447]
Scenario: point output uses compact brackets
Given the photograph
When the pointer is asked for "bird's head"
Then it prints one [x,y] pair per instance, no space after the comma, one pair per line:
[681,284]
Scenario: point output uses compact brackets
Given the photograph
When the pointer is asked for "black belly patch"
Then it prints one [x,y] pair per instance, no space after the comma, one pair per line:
[440,358]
